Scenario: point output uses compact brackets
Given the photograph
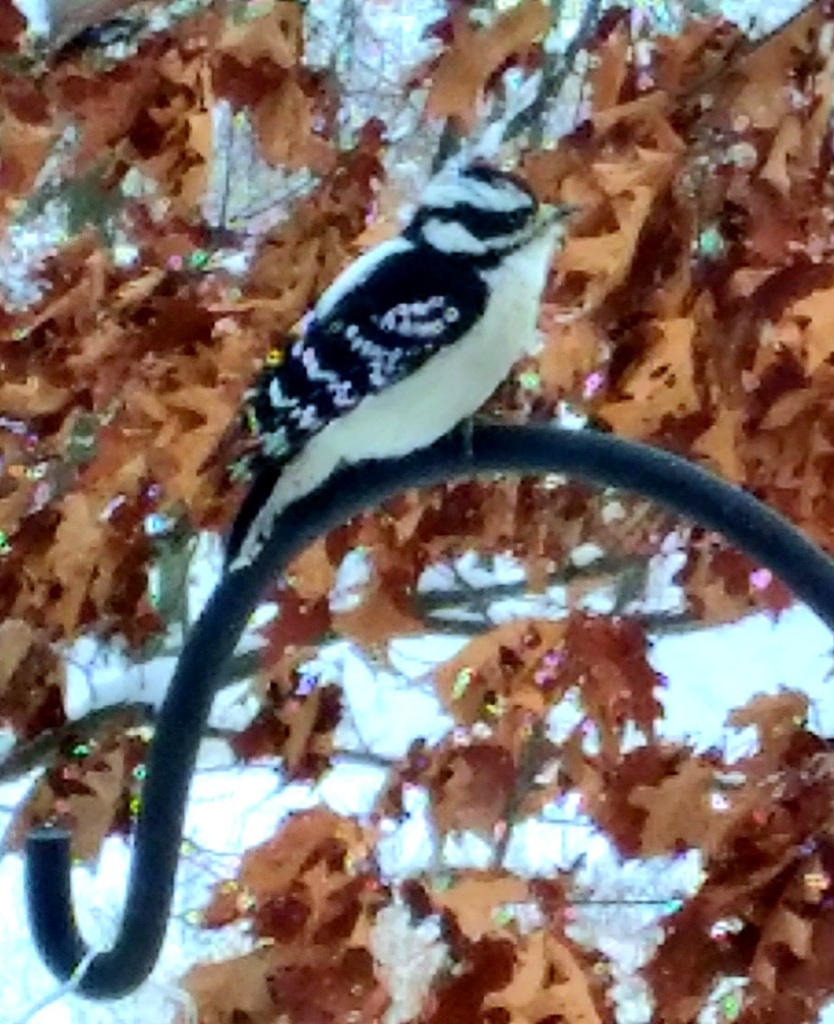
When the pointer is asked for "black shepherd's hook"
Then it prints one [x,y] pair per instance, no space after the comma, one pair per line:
[597,458]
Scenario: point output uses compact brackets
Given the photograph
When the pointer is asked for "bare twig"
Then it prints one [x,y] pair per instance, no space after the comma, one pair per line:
[42,751]
[535,752]
[630,586]
[447,145]
[432,601]
[656,624]
[556,70]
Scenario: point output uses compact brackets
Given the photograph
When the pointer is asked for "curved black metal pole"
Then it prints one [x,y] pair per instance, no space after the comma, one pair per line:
[598,458]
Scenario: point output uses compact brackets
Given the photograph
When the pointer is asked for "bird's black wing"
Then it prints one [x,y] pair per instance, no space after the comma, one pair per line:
[411,305]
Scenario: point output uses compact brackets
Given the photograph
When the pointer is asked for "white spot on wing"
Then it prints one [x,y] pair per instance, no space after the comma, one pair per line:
[275,444]
[276,394]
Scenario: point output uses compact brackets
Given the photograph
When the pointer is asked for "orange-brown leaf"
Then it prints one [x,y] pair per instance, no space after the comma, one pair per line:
[16,639]
[663,384]
[475,54]
[477,899]
[75,557]
[35,396]
[499,663]
[231,989]
[276,36]
[679,810]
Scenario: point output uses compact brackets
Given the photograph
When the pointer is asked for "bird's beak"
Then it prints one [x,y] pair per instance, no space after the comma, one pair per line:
[552,218]
[549,212]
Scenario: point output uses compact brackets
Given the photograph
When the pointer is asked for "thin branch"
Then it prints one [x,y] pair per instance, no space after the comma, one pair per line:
[655,623]
[447,145]
[44,749]
[430,602]
[557,69]
[536,750]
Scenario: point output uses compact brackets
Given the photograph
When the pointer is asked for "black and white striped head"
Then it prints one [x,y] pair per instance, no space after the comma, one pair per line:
[478,212]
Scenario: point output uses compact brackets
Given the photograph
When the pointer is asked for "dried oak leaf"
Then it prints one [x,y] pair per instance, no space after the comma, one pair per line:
[329,991]
[784,928]
[463,70]
[814,313]
[32,679]
[190,420]
[572,351]
[758,870]
[776,717]
[93,814]
[605,259]
[485,966]
[294,726]
[276,36]
[471,787]
[75,288]
[609,70]
[303,840]
[786,145]
[16,640]
[702,45]
[300,257]
[326,909]
[17,486]
[720,445]
[758,90]
[385,609]
[606,785]
[12,26]
[120,465]
[647,117]
[153,110]
[679,810]
[172,137]
[299,625]
[34,397]
[314,906]
[500,665]
[310,724]
[617,684]
[796,978]
[554,980]
[258,65]
[478,898]
[108,104]
[25,146]
[87,797]
[661,385]
[234,990]
[77,556]
[683,970]
[715,595]
[284,122]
